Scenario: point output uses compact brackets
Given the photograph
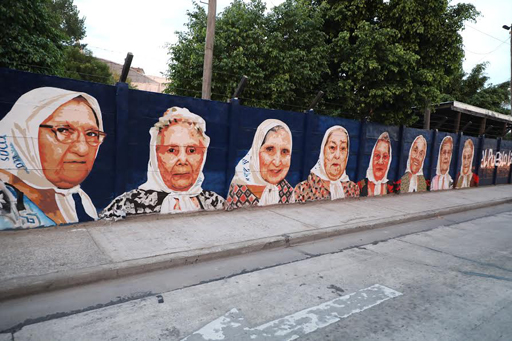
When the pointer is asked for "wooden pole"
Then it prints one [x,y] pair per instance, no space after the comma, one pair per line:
[208,50]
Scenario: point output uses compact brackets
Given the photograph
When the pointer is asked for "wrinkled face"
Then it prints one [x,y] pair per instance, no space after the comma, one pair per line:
[336,154]
[467,155]
[446,157]
[66,165]
[380,161]
[180,154]
[418,152]
[275,156]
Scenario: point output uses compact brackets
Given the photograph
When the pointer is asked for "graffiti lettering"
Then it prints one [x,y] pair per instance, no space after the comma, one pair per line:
[487,159]
[18,162]
[4,152]
[498,159]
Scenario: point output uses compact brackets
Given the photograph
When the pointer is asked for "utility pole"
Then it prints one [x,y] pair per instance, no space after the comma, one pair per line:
[208,50]
[509,28]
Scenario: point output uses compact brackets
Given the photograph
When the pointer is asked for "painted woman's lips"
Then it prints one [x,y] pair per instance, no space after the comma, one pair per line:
[275,171]
[81,162]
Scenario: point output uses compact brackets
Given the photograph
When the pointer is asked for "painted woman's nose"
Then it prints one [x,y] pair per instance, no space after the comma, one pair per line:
[80,146]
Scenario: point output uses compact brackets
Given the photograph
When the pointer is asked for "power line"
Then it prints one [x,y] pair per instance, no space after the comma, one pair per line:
[487,34]
[486,53]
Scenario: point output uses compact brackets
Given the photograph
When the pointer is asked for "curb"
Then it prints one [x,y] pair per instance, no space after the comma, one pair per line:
[32,285]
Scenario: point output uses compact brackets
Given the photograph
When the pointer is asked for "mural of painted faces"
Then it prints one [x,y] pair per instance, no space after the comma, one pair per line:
[376,181]
[336,154]
[413,179]
[443,180]
[328,178]
[260,175]
[275,155]
[466,177]
[177,154]
[181,154]
[54,136]
[68,143]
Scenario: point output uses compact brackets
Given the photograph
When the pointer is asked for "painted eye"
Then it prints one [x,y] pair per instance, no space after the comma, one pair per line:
[171,150]
[269,149]
[64,130]
[191,150]
[92,133]
[285,151]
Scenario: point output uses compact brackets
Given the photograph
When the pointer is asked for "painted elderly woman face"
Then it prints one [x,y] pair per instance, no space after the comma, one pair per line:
[418,153]
[446,156]
[336,154]
[68,142]
[275,156]
[180,155]
[467,155]
[381,158]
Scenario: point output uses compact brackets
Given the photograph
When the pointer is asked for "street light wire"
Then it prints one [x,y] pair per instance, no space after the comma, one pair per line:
[487,34]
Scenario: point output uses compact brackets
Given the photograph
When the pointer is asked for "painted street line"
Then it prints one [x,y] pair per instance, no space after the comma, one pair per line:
[232,326]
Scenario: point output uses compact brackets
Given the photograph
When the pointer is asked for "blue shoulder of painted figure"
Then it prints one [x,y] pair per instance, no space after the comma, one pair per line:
[18,211]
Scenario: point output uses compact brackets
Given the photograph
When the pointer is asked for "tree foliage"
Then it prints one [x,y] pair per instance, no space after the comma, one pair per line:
[473,89]
[43,36]
[374,59]
[82,65]
[31,39]
[70,23]
[282,52]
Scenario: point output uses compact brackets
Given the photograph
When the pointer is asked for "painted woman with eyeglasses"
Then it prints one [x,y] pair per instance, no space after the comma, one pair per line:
[48,144]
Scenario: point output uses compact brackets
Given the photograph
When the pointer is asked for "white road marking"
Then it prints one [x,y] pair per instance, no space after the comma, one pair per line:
[232,326]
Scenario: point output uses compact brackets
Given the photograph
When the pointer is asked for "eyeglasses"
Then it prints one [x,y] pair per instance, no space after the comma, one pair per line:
[67,134]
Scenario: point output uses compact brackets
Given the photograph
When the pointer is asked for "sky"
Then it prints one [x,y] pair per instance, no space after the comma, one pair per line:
[115,27]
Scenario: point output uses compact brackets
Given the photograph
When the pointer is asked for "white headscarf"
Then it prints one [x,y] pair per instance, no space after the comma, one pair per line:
[155,181]
[247,172]
[369,172]
[466,178]
[444,180]
[335,187]
[21,128]
[413,184]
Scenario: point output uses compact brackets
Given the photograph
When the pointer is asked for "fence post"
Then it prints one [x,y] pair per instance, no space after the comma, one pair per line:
[309,117]
[495,174]
[401,153]
[234,125]
[360,153]
[433,166]
[122,133]
[481,141]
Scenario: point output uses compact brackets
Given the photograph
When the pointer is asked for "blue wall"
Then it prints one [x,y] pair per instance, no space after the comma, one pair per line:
[121,164]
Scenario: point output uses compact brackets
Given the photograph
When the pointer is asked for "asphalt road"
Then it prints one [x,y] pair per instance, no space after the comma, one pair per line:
[446,278]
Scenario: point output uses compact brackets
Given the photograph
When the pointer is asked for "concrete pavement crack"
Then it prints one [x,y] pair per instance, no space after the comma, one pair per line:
[458,257]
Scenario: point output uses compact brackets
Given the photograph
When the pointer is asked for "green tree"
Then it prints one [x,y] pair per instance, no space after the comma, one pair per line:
[374,59]
[42,36]
[82,65]
[282,52]
[30,38]
[473,89]
[387,57]
[70,23]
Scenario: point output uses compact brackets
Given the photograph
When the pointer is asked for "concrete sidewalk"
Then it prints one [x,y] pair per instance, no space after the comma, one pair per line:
[35,261]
